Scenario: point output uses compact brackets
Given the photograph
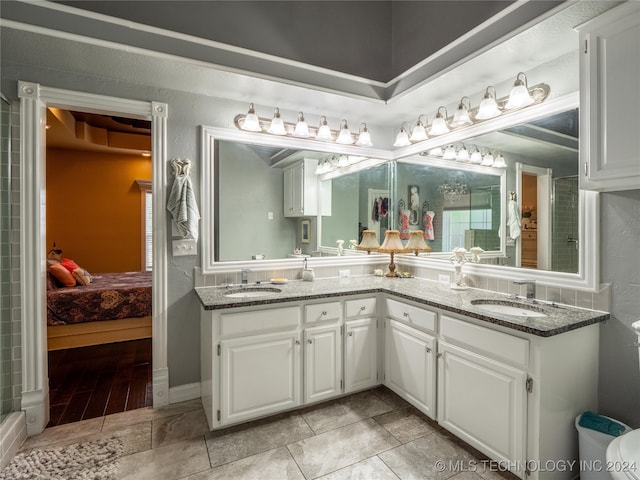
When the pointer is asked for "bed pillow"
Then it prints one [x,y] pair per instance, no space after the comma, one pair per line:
[62,275]
[81,276]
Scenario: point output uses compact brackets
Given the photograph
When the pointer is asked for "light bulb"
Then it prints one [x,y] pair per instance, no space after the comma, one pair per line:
[439,125]
[344,137]
[475,157]
[364,137]
[251,122]
[499,162]
[343,161]
[487,160]
[449,153]
[419,133]
[277,125]
[519,96]
[324,132]
[302,129]
[461,117]
[488,106]
[463,154]
[436,152]
[402,139]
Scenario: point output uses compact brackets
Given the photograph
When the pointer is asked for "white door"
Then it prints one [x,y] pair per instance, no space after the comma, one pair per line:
[259,375]
[483,402]
[360,354]
[322,363]
[410,365]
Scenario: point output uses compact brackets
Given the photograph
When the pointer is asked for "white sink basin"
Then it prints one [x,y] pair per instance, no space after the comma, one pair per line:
[509,308]
[252,292]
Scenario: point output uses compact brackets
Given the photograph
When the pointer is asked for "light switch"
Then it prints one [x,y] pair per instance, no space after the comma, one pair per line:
[183,247]
[269,215]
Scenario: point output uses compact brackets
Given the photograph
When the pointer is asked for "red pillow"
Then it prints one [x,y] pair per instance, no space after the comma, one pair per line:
[69,264]
[62,275]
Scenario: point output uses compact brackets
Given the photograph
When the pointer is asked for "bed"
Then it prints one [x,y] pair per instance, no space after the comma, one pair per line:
[114,307]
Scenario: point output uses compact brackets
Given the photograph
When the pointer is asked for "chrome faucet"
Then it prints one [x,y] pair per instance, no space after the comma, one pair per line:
[245,275]
[531,288]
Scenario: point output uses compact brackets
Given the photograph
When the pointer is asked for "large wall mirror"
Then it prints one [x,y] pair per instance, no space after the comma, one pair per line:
[244,197]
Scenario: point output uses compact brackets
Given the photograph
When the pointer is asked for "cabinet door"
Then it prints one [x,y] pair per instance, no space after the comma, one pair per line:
[483,402]
[610,105]
[293,191]
[260,374]
[322,363]
[410,365]
[361,354]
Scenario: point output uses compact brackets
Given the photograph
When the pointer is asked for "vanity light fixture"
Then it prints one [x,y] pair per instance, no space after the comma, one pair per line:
[519,96]
[369,241]
[461,117]
[324,132]
[402,139]
[439,125]
[364,137]
[344,137]
[277,125]
[416,242]
[392,244]
[251,122]
[488,106]
[453,189]
[302,129]
[419,133]
[343,161]
[499,162]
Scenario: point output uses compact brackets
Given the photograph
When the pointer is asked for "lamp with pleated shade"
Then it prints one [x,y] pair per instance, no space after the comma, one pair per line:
[416,242]
[392,244]
[369,241]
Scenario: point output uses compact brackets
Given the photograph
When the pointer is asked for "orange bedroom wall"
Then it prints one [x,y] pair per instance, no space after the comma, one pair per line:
[93,207]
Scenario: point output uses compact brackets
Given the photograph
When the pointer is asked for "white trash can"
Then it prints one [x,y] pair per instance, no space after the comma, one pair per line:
[593,451]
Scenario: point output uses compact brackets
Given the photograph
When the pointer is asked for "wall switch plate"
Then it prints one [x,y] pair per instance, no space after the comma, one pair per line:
[444,278]
[184,247]
[269,215]
[344,273]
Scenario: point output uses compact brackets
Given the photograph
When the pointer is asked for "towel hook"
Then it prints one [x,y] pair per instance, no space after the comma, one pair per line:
[181,167]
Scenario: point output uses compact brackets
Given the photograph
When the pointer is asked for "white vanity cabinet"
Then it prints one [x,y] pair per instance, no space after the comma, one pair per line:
[360,345]
[482,395]
[410,366]
[301,189]
[609,101]
[322,351]
[259,359]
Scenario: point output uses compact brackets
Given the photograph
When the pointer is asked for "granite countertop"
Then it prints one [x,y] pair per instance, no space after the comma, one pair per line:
[558,319]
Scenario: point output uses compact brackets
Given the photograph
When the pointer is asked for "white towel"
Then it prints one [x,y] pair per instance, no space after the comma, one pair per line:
[513,219]
[182,201]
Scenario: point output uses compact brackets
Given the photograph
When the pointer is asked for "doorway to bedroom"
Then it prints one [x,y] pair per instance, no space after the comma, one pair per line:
[99,264]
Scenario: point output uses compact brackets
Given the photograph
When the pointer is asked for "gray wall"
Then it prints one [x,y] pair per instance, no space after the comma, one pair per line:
[619,380]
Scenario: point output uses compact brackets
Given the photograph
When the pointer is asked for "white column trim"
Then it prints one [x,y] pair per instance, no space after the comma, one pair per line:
[34,99]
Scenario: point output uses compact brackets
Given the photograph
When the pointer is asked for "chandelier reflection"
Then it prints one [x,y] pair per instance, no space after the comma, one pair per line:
[453,189]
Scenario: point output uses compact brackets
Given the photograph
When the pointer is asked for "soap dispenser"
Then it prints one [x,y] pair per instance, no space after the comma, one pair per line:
[307,273]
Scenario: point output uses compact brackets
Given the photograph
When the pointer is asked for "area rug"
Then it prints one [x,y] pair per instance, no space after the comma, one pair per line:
[95,460]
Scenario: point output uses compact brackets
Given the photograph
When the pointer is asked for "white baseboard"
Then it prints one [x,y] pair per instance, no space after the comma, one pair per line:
[182,393]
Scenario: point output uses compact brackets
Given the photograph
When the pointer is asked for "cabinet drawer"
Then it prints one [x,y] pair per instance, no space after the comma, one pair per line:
[414,315]
[232,324]
[322,311]
[362,306]
[491,343]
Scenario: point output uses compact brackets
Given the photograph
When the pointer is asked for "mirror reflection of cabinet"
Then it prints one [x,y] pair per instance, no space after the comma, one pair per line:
[301,189]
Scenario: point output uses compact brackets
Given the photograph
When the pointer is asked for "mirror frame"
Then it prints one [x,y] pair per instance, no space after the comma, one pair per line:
[587,278]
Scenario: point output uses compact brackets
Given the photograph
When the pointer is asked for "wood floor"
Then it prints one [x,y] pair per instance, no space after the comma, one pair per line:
[91,382]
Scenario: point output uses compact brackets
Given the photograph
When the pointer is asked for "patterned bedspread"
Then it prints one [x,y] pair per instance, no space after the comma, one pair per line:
[109,296]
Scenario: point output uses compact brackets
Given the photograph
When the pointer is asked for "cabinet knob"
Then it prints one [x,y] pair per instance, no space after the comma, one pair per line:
[324,312]
[363,308]
[438,355]
[351,334]
[428,349]
[297,342]
[309,341]
[406,314]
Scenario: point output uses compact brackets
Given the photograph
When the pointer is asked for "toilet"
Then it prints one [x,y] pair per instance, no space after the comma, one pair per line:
[623,453]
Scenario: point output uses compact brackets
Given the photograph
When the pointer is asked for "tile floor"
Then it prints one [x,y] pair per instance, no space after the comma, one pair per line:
[369,435]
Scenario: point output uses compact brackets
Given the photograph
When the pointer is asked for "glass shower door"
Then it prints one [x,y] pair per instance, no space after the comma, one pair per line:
[565,241]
